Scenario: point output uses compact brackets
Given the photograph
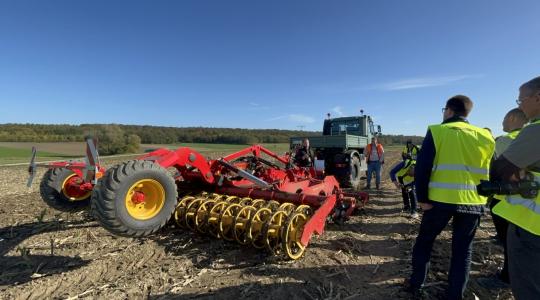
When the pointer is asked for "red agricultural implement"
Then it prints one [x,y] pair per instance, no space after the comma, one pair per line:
[253,196]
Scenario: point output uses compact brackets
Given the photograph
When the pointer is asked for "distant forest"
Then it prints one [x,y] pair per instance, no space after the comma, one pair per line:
[164,135]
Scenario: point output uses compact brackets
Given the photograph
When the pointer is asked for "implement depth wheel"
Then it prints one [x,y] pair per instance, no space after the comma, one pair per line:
[135,198]
[61,189]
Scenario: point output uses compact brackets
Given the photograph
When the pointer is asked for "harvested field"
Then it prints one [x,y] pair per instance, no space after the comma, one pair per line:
[47,254]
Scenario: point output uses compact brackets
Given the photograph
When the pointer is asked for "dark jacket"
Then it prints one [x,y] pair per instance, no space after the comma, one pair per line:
[422,173]
[303,157]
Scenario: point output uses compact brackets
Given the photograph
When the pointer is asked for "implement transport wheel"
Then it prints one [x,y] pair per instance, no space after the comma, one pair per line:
[135,198]
[291,234]
[61,189]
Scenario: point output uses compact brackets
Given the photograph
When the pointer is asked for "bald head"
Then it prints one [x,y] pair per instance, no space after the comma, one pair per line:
[514,119]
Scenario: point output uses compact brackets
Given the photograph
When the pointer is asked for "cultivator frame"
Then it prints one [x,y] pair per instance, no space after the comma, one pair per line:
[241,196]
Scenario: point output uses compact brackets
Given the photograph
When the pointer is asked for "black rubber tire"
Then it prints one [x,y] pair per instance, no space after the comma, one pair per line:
[50,189]
[108,198]
[354,177]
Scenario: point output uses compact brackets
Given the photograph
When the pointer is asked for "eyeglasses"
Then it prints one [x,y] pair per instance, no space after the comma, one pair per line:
[444,109]
[519,101]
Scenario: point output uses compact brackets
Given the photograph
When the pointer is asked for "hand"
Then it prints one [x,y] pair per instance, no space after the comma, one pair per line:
[398,186]
[425,206]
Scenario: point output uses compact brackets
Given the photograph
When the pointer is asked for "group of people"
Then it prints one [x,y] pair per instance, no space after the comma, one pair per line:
[454,159]
[443,177]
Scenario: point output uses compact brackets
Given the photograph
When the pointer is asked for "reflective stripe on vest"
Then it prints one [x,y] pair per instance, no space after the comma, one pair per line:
[403,173]
[520,211]
[462,156]
[455,167]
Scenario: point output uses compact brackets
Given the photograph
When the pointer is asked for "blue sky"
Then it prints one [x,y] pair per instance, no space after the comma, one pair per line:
[263,64]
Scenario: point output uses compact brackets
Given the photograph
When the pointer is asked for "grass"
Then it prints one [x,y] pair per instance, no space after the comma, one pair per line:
[21,152]
[280,148]
[17,155]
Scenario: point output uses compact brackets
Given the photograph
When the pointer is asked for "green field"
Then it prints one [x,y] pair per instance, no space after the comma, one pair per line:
[21,152]
[17,155]
[209,148]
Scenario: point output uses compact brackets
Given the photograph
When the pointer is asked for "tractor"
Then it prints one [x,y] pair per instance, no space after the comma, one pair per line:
[253,196]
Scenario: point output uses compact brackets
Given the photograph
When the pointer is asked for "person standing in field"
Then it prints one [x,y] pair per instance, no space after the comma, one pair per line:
[520,162]
[455,156]
[374,154]
[512,124]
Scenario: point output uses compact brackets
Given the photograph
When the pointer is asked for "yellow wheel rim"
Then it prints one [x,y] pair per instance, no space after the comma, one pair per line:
[288,207]
[191,213]
[292,234]
[272,231]
[77,196]
[226,219]
[180,210]
[151,205]
[212,220]
[241,221]
[255,227]
[202,215]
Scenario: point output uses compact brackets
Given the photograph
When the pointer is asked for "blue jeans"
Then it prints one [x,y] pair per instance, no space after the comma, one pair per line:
[374,166]
[463,231]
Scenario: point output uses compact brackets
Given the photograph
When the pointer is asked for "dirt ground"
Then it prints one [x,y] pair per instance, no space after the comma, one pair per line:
[46,254]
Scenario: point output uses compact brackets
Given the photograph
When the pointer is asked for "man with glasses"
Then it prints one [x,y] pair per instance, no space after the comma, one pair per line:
[520,160]
[455,156]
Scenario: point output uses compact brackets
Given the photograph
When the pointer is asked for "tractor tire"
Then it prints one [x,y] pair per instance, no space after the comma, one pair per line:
[135,198]
[54,193]
[354,177]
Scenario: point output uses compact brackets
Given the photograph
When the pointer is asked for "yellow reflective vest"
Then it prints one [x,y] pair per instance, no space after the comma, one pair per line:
[512,135]
[404,173]
[520,211]
[413,153]
[462,156]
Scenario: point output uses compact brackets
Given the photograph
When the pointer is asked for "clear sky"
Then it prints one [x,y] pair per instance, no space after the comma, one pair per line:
[263,64]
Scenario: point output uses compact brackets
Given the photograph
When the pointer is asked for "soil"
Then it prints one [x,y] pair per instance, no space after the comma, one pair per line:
[48,254]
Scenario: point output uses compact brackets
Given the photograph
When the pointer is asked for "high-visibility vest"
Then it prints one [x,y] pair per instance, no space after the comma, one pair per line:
[512,135]
[413,152]
[520,211]
[379,151]
[462,157]
[403,173]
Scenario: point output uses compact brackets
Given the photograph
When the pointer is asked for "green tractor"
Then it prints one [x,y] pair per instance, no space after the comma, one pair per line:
[339,151]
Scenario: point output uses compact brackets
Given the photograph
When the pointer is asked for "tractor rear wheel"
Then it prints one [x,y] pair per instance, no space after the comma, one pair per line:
[355,176]
[60,189]
[135,198]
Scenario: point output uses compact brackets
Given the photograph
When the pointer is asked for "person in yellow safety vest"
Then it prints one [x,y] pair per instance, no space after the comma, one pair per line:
[402,175]
[512,123]
[410,151]
[455,156]
[523,235]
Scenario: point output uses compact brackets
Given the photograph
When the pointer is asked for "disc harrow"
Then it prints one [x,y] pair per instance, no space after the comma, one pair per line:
[263,224]
[263,202]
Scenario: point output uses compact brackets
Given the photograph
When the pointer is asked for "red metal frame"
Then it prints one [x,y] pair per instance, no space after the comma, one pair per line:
[289,183]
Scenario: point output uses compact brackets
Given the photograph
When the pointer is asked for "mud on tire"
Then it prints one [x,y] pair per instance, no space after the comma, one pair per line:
[52,191]
[112,203]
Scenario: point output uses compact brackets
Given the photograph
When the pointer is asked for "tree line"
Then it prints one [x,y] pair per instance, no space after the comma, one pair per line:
[117,138]
[147,134]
